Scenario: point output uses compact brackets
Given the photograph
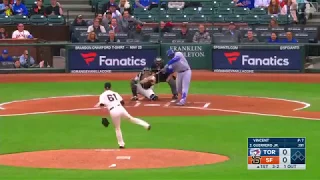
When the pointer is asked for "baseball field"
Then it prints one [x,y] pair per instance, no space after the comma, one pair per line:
[50,130]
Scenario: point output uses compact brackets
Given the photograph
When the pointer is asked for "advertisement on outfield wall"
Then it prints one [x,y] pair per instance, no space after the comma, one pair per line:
[254,60]
[105,59]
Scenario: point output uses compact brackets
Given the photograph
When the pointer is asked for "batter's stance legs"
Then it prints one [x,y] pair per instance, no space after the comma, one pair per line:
[185,79]
[173,87]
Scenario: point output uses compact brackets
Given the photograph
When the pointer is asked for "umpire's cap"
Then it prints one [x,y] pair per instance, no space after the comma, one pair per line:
[107,85]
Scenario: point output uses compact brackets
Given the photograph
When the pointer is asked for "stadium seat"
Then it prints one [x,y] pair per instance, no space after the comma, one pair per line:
[16,19]
[5,20]
[207,4]
[38,20]
[251,19]
[191,11]
[216,18]
[213,29]
[198,18]
[138,11]
[233,18]
[207,11]
[147,18]
[122,36]
[258,11]
[165,18]
[278,29]
[156,11]
[147,29]
[83,37]
[245,29]
[169,36]
[241,11]
[264,36]
[265,19]
[302,37]
[77,30]
[226,4]
[180,18]
[103,36]
[224,11]
[174,11]
[282,36]
[215,4]
[285,19]
[56,20]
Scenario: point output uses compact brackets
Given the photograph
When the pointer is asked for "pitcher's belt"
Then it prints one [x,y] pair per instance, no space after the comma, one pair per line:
[113,107]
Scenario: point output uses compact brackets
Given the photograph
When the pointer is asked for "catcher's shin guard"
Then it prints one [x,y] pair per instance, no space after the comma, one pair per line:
[154,97]
[133,88]
[173,87]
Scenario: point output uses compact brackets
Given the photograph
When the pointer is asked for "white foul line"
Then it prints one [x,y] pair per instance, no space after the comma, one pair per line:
[206,105]
[250,113]
[54,111]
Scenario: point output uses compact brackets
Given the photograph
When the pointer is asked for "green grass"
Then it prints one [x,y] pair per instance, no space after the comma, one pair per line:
[225,135]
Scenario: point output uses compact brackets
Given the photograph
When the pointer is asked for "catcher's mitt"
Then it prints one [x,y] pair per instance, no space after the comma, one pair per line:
[105,122]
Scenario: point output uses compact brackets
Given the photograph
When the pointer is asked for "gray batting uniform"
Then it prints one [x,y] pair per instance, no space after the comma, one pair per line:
[180,65]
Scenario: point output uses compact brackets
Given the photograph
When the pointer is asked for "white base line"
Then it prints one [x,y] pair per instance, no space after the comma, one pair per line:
[137,104]
[152,105]
[167,104]
[250,113]
[206,105]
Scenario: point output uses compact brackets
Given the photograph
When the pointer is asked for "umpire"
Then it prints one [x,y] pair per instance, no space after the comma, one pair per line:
[162,77]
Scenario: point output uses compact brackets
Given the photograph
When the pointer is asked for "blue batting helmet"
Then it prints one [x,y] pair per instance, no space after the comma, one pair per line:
[170,53]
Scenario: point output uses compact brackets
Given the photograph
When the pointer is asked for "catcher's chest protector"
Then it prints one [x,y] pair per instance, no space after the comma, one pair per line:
[146,85]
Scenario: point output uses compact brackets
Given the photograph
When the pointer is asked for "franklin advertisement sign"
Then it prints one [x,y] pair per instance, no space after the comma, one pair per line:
[198,55]
[284,58]
[104,59]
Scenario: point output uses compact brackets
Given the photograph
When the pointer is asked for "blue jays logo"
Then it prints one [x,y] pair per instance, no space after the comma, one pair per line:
[255,152]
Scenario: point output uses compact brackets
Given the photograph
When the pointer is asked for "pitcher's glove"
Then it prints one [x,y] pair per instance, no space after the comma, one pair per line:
[105,122]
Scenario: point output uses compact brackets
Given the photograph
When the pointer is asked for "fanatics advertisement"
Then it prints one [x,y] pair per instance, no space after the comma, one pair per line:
[105,59]
[250,61]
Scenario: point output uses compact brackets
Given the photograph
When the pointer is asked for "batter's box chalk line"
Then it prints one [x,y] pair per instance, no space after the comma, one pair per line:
[123,157]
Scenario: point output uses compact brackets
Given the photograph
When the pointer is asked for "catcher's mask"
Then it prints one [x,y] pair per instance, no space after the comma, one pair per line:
[158,61]
[147,70]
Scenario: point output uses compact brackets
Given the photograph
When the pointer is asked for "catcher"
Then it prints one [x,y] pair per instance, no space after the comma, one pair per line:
[143,84]
[164,77]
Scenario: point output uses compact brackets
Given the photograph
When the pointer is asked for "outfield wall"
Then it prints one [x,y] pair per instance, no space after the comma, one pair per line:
[126,57]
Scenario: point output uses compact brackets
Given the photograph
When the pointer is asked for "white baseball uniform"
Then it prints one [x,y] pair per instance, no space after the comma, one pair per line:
[112,101]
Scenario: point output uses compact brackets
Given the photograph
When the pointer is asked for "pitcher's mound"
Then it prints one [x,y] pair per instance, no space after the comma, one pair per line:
[110,158]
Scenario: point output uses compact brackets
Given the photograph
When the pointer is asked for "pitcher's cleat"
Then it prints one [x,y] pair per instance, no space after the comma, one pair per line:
[121,147]
[134,98]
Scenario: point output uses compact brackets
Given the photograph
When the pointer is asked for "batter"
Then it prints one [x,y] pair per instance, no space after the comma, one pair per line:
[180,65]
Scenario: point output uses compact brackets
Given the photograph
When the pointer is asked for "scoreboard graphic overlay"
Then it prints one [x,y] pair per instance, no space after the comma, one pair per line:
[277,153]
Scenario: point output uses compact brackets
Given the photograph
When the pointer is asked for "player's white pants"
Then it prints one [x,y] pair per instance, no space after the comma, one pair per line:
[119,112]
[145,92]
